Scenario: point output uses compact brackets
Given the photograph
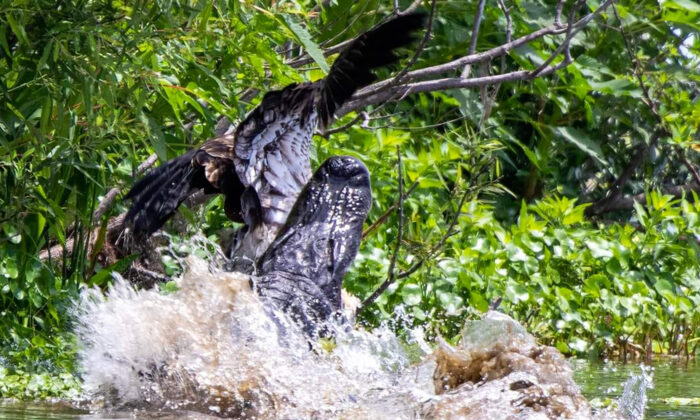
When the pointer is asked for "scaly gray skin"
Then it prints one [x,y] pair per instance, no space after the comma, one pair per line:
[302,271]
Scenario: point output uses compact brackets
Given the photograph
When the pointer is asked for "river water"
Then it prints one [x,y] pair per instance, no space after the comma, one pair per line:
[675,393]
[674,384]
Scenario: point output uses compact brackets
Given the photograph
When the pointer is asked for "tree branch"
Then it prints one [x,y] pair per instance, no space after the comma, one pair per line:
[608,203]
[475,35]
[693,170]
[399,236]
[388,212]
[637,68]
[490,100]
[627,202]
[385,90]
[564,46]
[109,198]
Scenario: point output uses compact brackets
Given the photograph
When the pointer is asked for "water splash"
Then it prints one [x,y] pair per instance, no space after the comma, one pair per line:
[634,395]
[213,348]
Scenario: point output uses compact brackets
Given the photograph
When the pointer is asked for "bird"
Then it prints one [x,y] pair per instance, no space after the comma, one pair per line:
[262,165]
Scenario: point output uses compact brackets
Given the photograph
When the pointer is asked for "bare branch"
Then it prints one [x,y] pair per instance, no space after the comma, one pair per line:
[412,269]
[509,30]
[491,99]
[377,90]
[388,212]
[475,35]
[566,44]
[557,16]
[399,236]
[411,8]
[440,84]
[693,170]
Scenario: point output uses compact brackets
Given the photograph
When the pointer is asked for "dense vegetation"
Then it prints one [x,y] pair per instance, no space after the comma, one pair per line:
[569,194]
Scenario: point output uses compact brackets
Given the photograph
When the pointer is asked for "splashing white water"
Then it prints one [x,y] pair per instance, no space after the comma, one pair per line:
[212,347]
[634,395]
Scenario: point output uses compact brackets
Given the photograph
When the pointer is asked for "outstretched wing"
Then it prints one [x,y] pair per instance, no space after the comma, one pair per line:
[272,144]
[271,151]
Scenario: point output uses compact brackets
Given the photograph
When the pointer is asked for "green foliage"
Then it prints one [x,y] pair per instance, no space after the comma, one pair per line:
[580,287]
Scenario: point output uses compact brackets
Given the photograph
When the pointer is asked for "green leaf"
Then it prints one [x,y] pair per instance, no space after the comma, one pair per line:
[304,38]
[412,294]
[119,266]
[157,139]
[582,141]
[691,6]
[17,29]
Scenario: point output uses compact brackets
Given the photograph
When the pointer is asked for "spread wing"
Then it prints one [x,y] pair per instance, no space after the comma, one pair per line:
[271,151]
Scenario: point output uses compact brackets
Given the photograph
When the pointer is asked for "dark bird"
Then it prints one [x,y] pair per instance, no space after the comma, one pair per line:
[262,166]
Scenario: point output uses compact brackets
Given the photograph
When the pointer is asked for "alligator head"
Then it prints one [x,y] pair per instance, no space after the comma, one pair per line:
[302,271]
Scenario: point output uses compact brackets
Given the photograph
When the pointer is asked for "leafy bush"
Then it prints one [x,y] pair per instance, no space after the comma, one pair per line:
[581,287]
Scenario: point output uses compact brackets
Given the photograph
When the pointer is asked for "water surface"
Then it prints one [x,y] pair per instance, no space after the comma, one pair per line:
[672,379]
[597,380]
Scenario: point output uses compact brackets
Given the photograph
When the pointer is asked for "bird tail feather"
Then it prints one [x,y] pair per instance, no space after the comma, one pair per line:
[352,69]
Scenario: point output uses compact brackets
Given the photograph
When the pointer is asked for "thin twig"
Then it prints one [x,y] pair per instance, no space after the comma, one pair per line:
[559,9]
[565,46]
[479,57]
[475,35]
[443,240]
[388,212]
[419,50]
[419,128]
[491,99]
[360,116]
[439,84]
[450,229]
[412,269]
[383,91]
[399,236]
[109,198]
[637,68]
[693,170]
[509,30]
